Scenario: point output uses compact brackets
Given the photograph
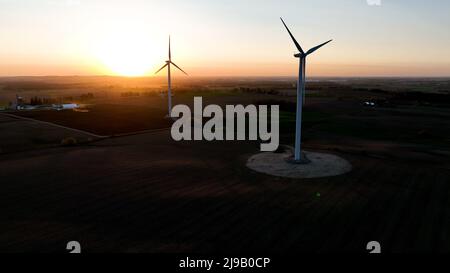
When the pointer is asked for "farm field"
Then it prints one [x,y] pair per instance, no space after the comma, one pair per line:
[147,193]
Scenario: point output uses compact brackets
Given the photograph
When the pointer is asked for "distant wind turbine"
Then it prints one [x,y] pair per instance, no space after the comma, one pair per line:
[300,93]
[168,63]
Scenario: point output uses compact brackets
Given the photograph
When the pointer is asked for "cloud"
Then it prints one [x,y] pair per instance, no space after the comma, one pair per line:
[374,2]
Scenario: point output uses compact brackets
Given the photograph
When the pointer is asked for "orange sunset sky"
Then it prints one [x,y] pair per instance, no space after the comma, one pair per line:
[224,38]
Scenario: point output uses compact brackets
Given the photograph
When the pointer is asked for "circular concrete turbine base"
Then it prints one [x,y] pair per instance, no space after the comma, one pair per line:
[282,165]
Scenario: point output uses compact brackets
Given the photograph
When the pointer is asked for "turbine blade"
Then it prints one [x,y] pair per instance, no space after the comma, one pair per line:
[317,47]
[170,53]
[293,38]
[161,68]
[179,68]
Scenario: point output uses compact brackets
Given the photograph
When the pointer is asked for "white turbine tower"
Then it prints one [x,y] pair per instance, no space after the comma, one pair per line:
[300,94]
[169,91]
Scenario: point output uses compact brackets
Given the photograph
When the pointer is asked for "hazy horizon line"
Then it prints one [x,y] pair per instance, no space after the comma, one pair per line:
[226,76]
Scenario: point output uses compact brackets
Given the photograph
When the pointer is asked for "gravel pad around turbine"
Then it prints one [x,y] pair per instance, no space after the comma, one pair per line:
[280,164]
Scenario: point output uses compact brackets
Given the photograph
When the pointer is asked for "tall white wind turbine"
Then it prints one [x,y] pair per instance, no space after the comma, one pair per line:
[300,94]
[169,79]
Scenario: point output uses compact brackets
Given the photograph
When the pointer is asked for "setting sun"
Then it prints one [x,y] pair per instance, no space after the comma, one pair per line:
[125,55]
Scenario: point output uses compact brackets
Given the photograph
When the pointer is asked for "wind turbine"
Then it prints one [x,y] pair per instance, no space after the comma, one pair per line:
[300,94]
[168,64]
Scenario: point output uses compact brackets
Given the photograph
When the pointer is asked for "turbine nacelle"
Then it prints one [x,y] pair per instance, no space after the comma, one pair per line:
[302,54]
[169,62]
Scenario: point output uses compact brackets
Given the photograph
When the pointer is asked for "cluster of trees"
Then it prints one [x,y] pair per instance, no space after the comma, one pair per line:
[130,94]
[47,101]
[36,101]
[87,96]
[259,91]
[137,94]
